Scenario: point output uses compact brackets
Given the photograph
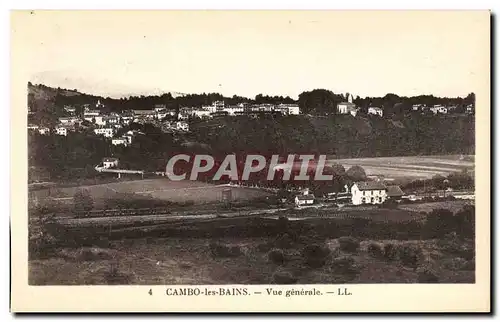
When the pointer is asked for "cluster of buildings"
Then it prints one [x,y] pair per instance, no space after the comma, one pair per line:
[108,124]
[441,109]
[359,193]
[219,108]
[350,108]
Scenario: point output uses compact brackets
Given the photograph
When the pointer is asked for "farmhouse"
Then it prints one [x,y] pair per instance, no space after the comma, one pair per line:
[109,162]
[375,111]
[301,200]
[368,192]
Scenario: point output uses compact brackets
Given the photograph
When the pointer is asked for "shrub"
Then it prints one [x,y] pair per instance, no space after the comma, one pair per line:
[264,247]
[83,201]
[426,275]
[283,277]
[221,250]
[348,244]
[470,265]
[315,255]
[410,255]
[277,256]
[375,250]
[390,251]
[113,276]
[345,265]
[455,264]
[284,241]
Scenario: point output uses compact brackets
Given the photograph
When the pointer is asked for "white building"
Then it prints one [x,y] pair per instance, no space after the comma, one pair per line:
[368,192]
[231,110]
[182,126]
[201,113]
[61,130]
[68,120]
[375,111]
[44,130]
[304,200]
[288,109]
[120,141]
[110,162]
[108,132]
[439,109]
[347,107]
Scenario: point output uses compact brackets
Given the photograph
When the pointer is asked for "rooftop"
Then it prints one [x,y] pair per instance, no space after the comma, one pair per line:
[305,197]
[394,191]
[370,185]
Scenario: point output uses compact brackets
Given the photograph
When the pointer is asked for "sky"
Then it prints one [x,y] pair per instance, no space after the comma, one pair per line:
[365,53]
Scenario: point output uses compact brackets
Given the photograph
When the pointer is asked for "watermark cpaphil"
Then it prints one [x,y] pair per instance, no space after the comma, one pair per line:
[292,167]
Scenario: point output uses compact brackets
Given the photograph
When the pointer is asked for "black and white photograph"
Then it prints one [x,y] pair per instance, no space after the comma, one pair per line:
[252,148]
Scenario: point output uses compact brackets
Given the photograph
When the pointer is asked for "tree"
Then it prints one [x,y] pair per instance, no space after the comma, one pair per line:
[356,173]
[82,201]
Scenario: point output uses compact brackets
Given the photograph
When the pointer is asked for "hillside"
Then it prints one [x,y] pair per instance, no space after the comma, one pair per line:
[341,136]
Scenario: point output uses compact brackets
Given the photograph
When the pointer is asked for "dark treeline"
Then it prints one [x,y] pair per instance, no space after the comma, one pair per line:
[318,101]
[324,102]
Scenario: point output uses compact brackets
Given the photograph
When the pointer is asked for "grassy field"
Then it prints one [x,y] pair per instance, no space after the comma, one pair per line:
[160,189]
[453,206]
[413,167]
[190,261]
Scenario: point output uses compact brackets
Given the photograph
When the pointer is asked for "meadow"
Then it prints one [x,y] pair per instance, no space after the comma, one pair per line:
[411,167]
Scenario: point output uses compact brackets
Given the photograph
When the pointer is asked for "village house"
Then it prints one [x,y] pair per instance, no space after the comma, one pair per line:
[439,109]
[416,107]
[120,141]
[62,130]
[70,109]
[304,199]
[469,109]
[44,130]
[232,109]
[375,111]
[108,132]
[293,109]
[368,192]
[347,107]
[69,120]
[201,113]
[32,127]
[109,163]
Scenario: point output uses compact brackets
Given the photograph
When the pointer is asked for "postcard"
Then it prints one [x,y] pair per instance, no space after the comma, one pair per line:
[250,161]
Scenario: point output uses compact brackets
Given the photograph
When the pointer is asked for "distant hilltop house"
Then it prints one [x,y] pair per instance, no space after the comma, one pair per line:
[304,199]
[439,109]
[109,163]
[375,111]
[347,107]
[70,109]
[470,109]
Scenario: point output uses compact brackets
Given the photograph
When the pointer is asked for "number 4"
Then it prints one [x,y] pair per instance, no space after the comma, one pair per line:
[150,292]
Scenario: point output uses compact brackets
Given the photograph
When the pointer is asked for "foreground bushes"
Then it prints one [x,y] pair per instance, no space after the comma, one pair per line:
[221,250]
[315,256]
[349,244]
